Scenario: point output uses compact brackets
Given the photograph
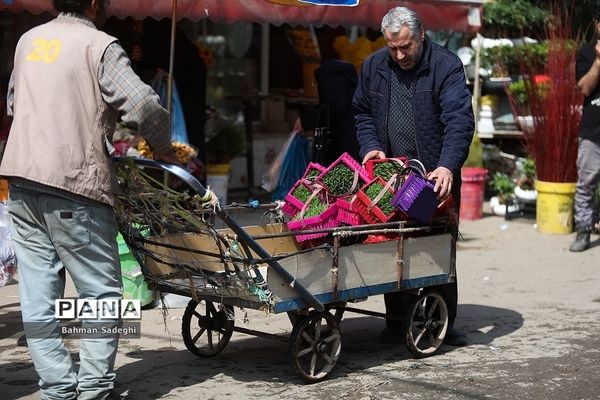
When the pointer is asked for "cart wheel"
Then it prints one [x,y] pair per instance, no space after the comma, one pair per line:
[315,346]
[428,317]
[205,330]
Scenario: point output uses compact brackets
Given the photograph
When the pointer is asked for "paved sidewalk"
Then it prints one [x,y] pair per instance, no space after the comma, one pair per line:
[530,308]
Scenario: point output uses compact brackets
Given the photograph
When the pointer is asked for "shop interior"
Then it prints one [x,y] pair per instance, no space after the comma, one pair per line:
[240,83]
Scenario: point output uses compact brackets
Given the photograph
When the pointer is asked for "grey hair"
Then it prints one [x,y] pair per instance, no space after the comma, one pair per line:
[399,17]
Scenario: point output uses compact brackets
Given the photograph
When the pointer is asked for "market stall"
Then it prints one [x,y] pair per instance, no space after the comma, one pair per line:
[459,15]
[447,15]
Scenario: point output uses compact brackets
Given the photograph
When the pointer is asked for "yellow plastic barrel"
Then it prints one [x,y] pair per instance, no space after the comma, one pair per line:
[554,207]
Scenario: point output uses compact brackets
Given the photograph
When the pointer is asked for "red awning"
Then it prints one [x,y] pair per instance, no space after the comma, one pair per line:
[458,15]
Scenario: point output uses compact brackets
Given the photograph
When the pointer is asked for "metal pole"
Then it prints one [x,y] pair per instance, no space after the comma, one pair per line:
[171,59]
[476,83]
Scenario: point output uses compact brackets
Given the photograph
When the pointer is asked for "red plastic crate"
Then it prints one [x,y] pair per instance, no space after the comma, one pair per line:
[371,214]
[370,164]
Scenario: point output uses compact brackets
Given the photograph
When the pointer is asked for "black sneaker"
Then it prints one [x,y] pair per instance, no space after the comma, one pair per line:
[456,338]
[113,395]
[582,241]
[391,335]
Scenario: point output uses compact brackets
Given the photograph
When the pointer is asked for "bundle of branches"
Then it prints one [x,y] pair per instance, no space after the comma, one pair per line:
[167,226]
[555,103]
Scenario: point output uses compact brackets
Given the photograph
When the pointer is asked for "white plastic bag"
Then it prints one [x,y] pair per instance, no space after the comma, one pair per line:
[8,259]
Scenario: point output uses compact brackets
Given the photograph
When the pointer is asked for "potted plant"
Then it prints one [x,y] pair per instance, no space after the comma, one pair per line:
[226,142]
[525,187]
[504,188]
[552,140]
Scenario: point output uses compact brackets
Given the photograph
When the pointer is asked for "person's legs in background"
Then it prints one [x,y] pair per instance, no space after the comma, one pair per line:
[588,178]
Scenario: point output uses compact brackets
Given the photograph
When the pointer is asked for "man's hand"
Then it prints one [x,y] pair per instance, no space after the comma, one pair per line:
[168,157]
[443,181]
[373,154]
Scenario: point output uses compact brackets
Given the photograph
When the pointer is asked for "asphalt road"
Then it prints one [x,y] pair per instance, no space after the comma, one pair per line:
[530,308]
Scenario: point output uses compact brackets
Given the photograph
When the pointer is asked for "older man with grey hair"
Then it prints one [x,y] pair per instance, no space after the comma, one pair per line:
[412,100]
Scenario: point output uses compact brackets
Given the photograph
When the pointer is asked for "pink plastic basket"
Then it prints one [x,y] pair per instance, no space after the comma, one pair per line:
[347,214]
[353,165]
[416,197]
[293,205]
[312,166]
[327,219]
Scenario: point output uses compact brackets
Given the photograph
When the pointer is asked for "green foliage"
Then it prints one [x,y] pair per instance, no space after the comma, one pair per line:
[314,208]
[385,203]
[388,168]
[513,18]
[339,179]
[228,143]
[518,91]
[301,193]
[507,60]
[475,158]
[500,59]
[527,180]
[312,174]
[503,186]
[529,168]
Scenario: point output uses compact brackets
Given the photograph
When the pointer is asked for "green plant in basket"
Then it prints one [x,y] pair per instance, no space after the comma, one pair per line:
[312,174]
[384,203]
[301,193]
[314,208]
[386,169]
[339,180]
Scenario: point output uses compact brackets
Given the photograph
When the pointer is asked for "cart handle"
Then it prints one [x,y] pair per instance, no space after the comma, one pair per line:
[244,237]
[176,170]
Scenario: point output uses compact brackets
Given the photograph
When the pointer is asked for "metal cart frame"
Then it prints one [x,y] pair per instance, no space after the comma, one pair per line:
[312,285]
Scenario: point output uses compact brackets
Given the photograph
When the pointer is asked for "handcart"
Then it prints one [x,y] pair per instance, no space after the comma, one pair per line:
[191,249]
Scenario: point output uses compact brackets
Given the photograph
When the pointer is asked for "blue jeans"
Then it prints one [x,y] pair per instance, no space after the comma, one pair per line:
[52,234]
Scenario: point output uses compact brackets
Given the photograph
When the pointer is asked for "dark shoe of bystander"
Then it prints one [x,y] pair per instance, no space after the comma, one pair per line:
[113,395]
[582,241]
[455,337]
[392,335]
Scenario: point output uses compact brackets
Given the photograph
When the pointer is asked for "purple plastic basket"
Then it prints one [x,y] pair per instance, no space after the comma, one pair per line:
[416,198]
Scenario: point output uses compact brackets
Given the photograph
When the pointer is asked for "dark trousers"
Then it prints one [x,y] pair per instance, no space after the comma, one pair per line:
[397,304]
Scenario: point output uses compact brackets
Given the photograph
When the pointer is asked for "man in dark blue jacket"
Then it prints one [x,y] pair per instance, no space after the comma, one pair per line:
[412,100]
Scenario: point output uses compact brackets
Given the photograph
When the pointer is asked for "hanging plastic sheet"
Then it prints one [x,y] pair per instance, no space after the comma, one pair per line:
[293,161]
[178,127]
